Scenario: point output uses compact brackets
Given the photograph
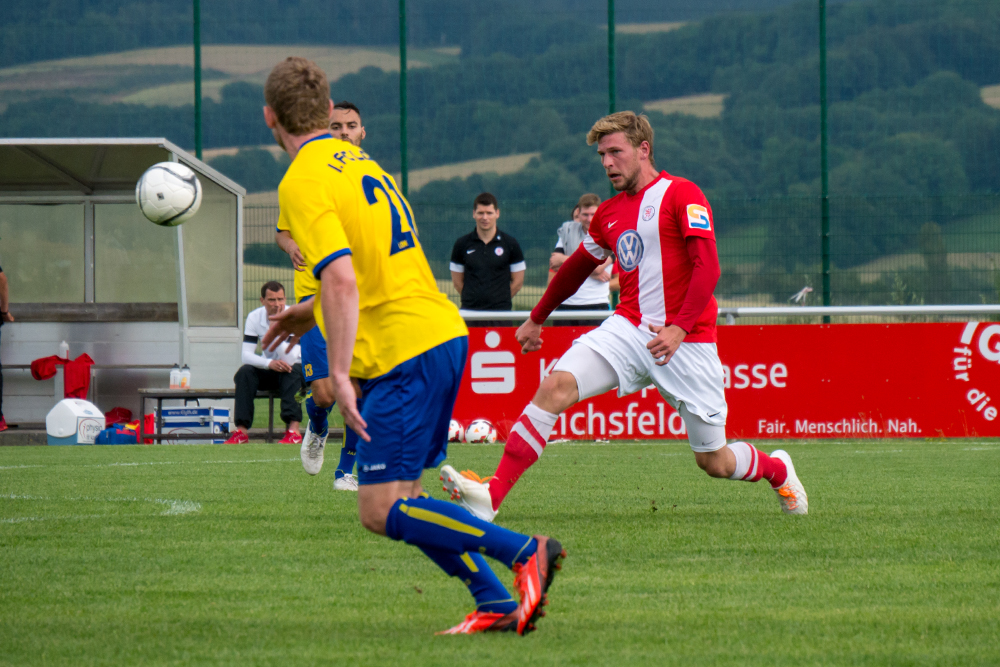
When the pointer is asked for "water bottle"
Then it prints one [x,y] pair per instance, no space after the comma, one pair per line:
[185,377]
[175,377]
[64,350]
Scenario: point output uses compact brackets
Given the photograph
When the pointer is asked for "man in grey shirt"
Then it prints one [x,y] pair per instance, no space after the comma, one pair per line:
[594,294]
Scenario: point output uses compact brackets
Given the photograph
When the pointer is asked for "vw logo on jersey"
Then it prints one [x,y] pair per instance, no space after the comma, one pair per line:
[629,250]
[648,213]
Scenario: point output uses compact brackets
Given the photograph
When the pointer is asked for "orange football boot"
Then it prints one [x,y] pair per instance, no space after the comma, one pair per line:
[484,621]
[532,580]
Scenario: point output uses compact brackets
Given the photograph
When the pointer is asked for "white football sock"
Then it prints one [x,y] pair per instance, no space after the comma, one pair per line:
[746,460]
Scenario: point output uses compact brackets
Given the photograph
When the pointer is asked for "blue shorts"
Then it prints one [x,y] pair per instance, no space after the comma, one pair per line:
[407,411]
[314,361]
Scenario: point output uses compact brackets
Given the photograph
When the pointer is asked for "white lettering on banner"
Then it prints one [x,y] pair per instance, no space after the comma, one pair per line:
[630,414]
[544,371]
[979,399]
[762,376]
[615,419]
[841,427]
[902,427]
[992,353]
[645,423]
[502,376]
[590,419]
[765,427]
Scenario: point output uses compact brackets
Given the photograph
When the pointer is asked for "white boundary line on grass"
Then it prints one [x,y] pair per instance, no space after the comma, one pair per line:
[174,507]
[132,464]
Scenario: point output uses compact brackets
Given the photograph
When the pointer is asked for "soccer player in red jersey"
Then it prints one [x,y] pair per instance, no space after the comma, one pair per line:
[660,229]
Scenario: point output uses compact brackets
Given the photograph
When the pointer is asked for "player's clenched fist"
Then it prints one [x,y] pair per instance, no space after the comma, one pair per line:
[667,340]
[529,337]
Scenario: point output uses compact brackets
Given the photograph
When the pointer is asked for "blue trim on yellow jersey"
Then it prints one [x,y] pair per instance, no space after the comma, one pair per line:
[329,258]
[306,297]
[322,136]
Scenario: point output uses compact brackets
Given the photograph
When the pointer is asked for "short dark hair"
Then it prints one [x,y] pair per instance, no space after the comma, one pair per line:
[271,286]
[349,106]
[485,199]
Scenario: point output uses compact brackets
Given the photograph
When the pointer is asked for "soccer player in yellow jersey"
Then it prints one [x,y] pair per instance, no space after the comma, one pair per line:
[344,124]
[392,334]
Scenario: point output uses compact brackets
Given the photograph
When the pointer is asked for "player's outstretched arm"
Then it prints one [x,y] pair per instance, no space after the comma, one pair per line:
[291,248]
[289,325]
[339,300]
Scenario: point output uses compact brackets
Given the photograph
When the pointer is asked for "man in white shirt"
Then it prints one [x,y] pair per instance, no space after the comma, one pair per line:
[594,294]
[279,371]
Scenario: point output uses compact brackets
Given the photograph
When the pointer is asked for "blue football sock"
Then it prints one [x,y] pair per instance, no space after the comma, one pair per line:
[475,573]
[317,416]
[348,453]
[426,522]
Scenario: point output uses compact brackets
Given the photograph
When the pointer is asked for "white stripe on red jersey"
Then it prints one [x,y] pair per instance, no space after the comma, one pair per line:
[647,232]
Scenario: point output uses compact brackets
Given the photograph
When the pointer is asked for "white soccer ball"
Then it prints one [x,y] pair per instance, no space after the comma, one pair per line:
[168,193]
[480,431]
[455,431]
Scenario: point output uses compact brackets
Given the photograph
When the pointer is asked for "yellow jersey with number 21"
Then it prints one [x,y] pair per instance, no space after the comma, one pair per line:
[337,201]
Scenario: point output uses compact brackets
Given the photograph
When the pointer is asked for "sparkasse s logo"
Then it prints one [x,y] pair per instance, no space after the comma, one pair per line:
[698,217]
[493,372]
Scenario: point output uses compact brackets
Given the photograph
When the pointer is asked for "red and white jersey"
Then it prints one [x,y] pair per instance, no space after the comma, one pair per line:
[647,232]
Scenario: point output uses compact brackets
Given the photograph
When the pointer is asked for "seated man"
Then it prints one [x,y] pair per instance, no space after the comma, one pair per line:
[279,371]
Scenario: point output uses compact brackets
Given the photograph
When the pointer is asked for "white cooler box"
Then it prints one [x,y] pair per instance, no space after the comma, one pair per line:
[73,421]
[192,419]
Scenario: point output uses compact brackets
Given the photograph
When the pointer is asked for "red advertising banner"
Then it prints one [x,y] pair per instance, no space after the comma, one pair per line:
[782,381]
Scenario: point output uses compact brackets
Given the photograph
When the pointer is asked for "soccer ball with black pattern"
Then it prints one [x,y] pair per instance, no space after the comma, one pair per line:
[480,431]
[168,193]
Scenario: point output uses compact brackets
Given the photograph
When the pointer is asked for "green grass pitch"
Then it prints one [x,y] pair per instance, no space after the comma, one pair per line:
[192,555]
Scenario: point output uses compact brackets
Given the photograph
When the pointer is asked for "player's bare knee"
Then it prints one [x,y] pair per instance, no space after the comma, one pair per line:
[557,392]
[322,392]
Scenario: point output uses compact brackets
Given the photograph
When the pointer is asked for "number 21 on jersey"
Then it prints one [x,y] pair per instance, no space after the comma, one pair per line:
[400,240]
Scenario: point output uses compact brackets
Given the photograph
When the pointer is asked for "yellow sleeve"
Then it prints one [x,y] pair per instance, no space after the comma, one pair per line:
[313,221]
[282,222]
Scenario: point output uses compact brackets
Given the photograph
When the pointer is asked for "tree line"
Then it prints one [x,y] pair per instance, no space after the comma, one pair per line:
[909,133]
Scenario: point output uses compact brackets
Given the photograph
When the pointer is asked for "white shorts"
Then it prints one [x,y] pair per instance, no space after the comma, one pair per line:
[693,379]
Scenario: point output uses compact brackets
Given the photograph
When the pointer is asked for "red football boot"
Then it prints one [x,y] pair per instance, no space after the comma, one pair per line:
[532,580]
[484,621]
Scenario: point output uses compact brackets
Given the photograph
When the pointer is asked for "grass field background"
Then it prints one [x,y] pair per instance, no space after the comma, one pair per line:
[189,555]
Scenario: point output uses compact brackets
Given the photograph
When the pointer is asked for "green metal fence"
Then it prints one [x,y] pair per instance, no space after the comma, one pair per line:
[852,148]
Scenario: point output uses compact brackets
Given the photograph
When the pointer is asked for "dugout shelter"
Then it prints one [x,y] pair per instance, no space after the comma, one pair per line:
[84,266]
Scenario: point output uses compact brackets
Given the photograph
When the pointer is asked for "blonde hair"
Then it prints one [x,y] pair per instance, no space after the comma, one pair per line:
[298,93]
[636,128]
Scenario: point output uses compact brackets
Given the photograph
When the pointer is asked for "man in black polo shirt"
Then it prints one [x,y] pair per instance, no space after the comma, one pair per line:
[487,266]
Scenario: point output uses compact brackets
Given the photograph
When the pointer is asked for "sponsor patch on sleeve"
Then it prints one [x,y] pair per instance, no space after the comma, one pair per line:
[698,217]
